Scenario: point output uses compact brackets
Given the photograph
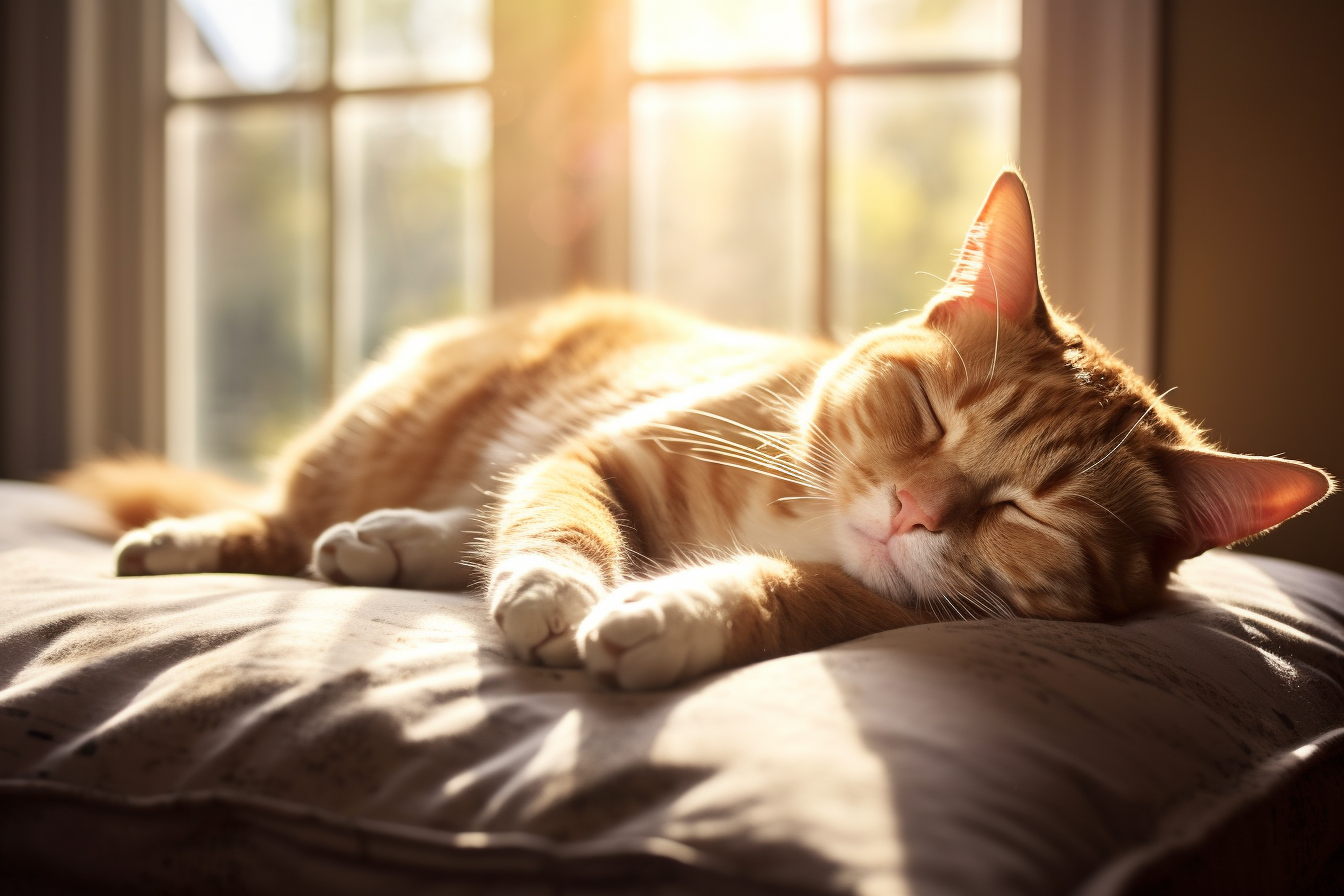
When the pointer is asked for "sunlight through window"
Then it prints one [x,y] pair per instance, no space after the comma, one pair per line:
[813,165]
[672,35]
[337,170]
[315,205]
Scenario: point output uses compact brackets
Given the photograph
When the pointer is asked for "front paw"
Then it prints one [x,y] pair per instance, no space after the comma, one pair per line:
[653,634]
[538,604]
[399,547]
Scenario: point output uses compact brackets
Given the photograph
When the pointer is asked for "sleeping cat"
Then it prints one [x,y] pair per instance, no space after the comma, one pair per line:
[654,497]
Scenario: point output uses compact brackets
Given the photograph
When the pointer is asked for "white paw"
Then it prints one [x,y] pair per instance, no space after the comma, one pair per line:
[653,634]
[398,546]
[169,546]
[538,604]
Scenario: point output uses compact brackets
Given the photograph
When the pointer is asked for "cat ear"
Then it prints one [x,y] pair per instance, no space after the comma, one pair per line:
[996,269]
[1227,497]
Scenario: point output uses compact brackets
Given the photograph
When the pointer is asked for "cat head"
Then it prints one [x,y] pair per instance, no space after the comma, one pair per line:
[991,453]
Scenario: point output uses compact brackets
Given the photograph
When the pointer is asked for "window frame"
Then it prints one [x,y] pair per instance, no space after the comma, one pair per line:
[1089,101]
[822,74]
[323,101]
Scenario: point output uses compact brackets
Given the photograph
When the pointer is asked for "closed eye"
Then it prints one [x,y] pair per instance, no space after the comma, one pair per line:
[933,415]
[1012,508]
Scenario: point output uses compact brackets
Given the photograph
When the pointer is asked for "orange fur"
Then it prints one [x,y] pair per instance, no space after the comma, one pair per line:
[658,496]
[137,489]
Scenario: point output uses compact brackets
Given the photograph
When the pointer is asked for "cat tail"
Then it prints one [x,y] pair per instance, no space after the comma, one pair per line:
[136,489]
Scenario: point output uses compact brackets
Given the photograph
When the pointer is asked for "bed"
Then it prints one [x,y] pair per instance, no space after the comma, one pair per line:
[247,734]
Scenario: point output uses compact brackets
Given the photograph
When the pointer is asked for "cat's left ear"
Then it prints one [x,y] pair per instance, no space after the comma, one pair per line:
[1224,498]
[996,270]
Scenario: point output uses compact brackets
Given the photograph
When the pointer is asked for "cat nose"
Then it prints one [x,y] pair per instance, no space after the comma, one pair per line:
[912,516]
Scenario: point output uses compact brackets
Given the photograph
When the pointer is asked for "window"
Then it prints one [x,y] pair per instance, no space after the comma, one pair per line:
[798,163]
[327,173]
[353,166]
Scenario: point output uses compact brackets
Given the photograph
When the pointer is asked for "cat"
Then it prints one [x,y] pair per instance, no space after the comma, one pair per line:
[656,497]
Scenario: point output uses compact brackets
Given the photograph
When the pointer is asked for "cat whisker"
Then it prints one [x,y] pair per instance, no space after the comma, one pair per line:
[827,455]
[1146,412]
[794,386]
[747,456]
[971,599]
[829,443]
[758,470]
[729,443]
[994,362]
[816,521]
[763,463]
[1103,507]
[964,368]
[708,441]
[952,605]
[929,606]
[770,438]
[786,440]
[990,604]
[972,607]
[708,437]
[802,462]
[785,405]
[762,472]
[1004,609]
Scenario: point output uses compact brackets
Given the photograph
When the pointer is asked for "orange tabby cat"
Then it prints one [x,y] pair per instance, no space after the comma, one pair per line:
[660,497]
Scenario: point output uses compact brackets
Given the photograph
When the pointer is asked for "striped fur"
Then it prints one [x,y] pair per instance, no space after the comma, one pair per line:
[657,496]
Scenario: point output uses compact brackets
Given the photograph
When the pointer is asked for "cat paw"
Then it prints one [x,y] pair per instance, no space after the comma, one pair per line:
[400,546]
[166,547]
[538,604]
[653,634]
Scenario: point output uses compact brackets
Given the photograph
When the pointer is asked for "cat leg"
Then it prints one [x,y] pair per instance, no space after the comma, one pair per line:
[227,541]
[558,547]
[670,629]
[400,547]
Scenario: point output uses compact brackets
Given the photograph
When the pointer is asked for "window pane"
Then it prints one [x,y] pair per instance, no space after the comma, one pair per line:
[724,185]
[411,41]
[911,161]
[245,46]
[895,30]
[413,193]
[667,35]
[246,320]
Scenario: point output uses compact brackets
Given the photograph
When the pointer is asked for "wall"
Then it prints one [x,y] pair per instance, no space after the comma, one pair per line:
[33,79]
[1251,298]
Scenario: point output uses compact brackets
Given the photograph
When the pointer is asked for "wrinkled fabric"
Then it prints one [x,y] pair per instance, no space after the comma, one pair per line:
[996,757]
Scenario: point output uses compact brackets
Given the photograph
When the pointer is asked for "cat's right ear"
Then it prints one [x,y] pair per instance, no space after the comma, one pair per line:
[1224,498]
[996,271]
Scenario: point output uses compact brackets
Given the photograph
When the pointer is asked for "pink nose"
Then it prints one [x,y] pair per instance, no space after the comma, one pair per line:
[911,516]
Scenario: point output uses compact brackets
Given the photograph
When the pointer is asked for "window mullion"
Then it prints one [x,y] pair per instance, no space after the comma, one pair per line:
[327,99]
[825,72]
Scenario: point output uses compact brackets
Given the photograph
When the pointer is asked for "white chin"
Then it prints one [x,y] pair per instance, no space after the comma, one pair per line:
[875,569]
[895,571]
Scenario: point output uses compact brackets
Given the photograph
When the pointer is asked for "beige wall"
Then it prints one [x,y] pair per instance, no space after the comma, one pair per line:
[1252,262]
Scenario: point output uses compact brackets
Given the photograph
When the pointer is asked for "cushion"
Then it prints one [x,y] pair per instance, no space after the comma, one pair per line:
[272,735]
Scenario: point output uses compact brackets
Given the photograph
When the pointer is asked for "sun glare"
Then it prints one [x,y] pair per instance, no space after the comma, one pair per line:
[712,34]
